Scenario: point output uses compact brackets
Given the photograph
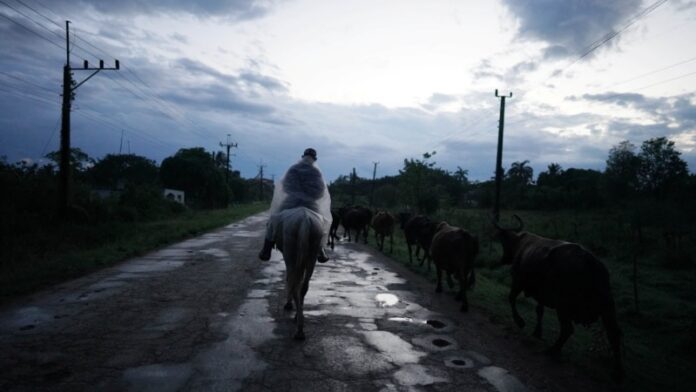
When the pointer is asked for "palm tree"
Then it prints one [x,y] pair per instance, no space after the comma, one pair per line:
[521,173]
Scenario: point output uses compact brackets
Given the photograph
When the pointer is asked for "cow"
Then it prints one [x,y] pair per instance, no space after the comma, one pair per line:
[418,231]
[383,225]
[453,251]
[298,235]
[356,219]
[336,216]
[563,276]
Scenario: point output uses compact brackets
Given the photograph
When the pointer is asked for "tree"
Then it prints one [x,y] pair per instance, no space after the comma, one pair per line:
[414,180]
[119,170]
[551,177]
[621,174]
[194,171]
[520,173]
[661,169]
[79,160]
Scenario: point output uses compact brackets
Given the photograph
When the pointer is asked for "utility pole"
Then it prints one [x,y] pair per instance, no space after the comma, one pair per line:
[228,145]
[261,166]
[68,96]
[120,146]
[374,174]
[499,158]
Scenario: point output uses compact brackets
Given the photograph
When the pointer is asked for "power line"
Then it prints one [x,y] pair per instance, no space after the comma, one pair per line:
[653,72]
[26,81]
[31,31]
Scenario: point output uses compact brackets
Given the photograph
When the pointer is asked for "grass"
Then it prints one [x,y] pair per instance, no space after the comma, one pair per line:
[659,337]
[50,254]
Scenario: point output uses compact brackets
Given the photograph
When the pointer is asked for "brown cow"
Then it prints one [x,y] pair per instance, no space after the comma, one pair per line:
[356,219]
[453,250]
[562,276]
[383,225]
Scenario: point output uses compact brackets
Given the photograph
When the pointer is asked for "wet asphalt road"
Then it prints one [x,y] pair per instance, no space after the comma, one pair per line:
[205,314]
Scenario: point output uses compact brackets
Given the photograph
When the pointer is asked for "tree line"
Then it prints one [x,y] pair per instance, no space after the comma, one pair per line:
[655,172]
[125,186]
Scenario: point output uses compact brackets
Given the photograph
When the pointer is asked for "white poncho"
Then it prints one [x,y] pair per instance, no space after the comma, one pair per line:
[303,186]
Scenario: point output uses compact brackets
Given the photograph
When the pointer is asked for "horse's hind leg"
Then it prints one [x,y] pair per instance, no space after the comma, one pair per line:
[299,316]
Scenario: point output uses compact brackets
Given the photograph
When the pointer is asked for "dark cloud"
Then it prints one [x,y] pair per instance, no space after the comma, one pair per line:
[569,26]
[621,99]
[246,79]
[232,9]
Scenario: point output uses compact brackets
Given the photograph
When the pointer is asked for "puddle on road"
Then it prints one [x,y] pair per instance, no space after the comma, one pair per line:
[385,299]
[398,350]
[25,319]
[501,379]
[158,377]
[248,234]
[412,374]
[169,319]
[216,252]
[142,265]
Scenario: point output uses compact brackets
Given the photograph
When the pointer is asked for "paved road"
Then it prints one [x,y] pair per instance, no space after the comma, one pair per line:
[205,314]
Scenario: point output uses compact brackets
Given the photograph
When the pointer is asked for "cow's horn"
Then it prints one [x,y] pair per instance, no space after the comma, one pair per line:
[520,223]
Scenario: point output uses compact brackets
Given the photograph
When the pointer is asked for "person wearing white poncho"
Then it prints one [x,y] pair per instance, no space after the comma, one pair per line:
[301,186]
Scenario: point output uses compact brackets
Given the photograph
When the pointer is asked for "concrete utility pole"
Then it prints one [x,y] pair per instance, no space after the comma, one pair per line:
[68,96]
[228,145]
[261,166]
[374,174]
[499,158]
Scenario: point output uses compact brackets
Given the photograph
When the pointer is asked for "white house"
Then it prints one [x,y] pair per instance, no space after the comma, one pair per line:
[176,195]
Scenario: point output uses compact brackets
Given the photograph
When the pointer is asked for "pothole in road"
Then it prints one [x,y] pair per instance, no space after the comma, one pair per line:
[435,324]
[459,362]
[441,342]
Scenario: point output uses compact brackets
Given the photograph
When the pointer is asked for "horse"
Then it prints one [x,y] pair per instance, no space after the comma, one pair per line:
[298,235]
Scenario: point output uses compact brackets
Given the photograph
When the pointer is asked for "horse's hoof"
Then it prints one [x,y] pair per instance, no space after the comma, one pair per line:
[299,335]
[288,306]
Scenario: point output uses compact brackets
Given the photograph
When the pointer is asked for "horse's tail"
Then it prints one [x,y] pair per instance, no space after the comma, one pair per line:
[303,254]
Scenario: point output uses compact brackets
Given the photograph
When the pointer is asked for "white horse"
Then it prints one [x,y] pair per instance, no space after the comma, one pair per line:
[298,235]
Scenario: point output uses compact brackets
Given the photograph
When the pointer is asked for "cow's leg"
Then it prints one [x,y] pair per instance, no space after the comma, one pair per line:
[391,243]
[512,298]
[366,232]
[614,335]
[462,291]
[410,252]
[450,283]
[566,330]
[540,319]
[438,289]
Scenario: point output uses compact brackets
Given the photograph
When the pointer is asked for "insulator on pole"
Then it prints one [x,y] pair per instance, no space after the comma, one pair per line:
[118,64]
[101,64]
[86,64]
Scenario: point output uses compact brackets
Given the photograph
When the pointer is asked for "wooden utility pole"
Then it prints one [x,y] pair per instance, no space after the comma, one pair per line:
[68,96]
[228,145]
[499,158]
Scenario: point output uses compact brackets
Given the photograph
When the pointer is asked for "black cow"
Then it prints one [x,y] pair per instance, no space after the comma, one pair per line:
[356,219]
[453,251]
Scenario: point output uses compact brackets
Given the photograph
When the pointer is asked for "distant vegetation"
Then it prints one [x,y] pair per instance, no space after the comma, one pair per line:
[118,210]
[637,216]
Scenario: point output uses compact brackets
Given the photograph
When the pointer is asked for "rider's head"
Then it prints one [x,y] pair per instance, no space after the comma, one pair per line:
[310,152]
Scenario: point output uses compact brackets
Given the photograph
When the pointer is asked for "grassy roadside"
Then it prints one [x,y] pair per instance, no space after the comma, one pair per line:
[659,340]
[49,254]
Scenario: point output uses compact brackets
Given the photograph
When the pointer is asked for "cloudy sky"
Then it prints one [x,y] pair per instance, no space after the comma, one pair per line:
[361,81]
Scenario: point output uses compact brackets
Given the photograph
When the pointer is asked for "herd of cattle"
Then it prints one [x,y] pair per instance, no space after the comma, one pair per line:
[556,274]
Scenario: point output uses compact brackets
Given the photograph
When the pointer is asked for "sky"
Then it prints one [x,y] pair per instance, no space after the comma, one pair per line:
[359,81]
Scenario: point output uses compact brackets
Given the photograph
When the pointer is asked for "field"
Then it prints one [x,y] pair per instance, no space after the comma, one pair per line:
[42,255]
[659,330]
